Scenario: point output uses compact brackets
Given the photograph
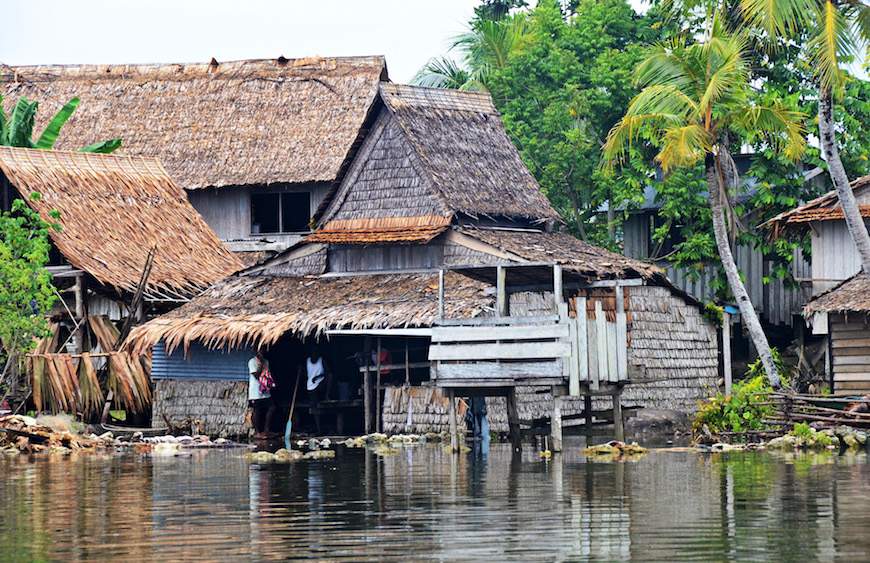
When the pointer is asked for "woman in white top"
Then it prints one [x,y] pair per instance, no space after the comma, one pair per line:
[260,400]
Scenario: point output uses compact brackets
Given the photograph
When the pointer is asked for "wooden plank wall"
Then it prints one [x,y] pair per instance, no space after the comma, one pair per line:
[850,351]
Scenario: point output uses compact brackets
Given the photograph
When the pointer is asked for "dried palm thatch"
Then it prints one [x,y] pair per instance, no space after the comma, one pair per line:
[824,208]
[89,386]
[852,295]
[593,262]
[258,310]
[216,124]
[113,211]
[466,152]
[431,155]
[127,377]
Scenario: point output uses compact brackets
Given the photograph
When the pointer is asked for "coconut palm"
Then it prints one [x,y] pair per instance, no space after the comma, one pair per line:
[486,47]
[17,129]
[838,31]
[693,96]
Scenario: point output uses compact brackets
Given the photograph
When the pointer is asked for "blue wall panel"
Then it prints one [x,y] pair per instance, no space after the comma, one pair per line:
[200,363]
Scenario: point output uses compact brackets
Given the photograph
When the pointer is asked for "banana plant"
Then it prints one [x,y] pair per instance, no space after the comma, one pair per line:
[16,130]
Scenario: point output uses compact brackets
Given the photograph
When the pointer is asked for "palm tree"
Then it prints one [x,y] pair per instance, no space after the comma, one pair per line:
[485,47]
[838,31]
[17,129]
[693,97]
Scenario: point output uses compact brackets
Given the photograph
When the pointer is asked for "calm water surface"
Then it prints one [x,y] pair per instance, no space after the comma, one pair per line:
[424,504]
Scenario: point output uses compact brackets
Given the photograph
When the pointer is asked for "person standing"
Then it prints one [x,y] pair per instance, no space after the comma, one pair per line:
[316,383]
[260,385]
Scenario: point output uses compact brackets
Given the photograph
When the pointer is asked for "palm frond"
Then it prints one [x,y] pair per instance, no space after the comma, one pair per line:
[833,42]
[684,146]
[103,147]
[442,72]
[728,74]
[778,17]
[626,132]
[784,128]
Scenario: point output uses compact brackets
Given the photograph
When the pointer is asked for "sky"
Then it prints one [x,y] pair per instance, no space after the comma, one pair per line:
[407,32]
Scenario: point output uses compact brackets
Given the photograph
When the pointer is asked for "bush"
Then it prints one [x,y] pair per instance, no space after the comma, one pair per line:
[738,412]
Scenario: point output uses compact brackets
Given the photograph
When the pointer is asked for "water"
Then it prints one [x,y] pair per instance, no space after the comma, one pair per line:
[424,504]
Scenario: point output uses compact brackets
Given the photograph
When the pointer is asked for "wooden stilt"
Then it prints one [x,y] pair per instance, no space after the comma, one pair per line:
[587,413]
[378,389]
[513,420]
[556,424]
[618,426]
[367,386]
[454,425]
[726,351]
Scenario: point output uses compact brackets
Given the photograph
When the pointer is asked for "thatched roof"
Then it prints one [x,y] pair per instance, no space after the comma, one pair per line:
[432,155]
[113,211]
[824,208]
[593,262]
[213,125]
[258,310]
[852,295]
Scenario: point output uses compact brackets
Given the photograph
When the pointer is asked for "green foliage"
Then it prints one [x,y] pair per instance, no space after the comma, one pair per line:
[17,129]
[714,313]
[738,412]
[807,436]
[26,292]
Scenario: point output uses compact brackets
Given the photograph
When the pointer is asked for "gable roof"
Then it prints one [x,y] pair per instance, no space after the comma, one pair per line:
[824,208]
[113,211]
[434,154]
[215,124]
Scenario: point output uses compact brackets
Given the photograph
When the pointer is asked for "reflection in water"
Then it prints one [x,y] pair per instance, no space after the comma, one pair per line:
[426,504]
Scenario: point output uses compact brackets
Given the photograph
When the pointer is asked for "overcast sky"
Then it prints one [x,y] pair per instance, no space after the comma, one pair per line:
[407,32]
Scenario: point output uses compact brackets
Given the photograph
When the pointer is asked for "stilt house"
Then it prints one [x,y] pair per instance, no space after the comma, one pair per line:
[437,269]
[840,305]
[129,245]
[258,145]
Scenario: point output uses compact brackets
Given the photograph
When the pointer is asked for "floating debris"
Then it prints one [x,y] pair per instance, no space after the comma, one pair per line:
[615,451]
[319,454]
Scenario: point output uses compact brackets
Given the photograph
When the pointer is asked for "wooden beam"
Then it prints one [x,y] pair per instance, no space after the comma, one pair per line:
[491,334]
[618,424]
[621,336]
[582,346]
[556,420]
[378,389]
[558,295]
[495,321]
[601,342]
[613,283]
[501,351]
[367,385]
[587,413]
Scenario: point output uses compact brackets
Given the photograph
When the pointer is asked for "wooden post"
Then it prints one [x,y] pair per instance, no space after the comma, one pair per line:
[407,365]
[726,351]
[80,314]
[557,285]
[618,426]
[501,302]
[367,385]
[582,347]
[378,390]
[621,335]
[587,413]
[513,420]
[556,421]
[454,425]
[440,294]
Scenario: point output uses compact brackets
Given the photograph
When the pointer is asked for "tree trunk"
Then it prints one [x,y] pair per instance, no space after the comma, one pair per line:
[854,221]
[747,311]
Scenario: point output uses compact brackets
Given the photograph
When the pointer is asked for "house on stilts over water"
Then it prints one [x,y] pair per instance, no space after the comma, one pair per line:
[839,310]
[436,270]
[129,246]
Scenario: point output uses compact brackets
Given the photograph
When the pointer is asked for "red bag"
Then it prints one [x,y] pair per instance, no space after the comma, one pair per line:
[267,383]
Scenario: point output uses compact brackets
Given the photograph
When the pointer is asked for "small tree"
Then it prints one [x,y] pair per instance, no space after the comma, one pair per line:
[694,97]
[26,291]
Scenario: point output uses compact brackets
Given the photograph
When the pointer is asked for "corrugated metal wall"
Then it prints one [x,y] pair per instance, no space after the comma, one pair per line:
[775,301]
[200,363]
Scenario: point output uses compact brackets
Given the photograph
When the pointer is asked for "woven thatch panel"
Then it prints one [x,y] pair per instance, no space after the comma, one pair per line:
[852,295]
[304,264]
[416,410]
[233,123]
[113,211]
[245,310]
[216,408]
